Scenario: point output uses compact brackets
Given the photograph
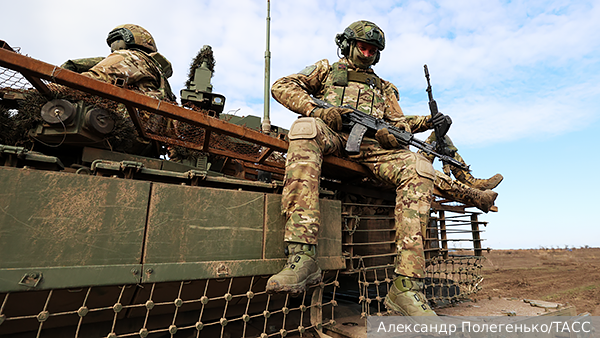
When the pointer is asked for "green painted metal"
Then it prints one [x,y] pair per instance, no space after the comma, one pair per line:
[89,155]
[274,224]
[11,156]
[193,224]
[330,238]
[266,124]
[58,219]
[166,272]
[61,230]
[50,219]
[225,233]
[250,121]
[58,277]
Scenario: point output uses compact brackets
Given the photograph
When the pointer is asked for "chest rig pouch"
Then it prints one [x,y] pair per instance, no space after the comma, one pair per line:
[360,90]
[341,76]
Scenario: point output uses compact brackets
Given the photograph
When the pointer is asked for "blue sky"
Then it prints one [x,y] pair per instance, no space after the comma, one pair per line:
[520,79]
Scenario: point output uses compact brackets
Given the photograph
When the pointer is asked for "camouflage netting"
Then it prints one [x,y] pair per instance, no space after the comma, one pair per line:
[452,273]
[204,55]
[227,307]
[15,127]
[20,114]
[27,116]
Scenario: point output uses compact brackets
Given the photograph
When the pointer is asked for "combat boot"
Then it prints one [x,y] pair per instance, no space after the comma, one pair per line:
[465,177]
[481,199]
[405,298]
[300,271]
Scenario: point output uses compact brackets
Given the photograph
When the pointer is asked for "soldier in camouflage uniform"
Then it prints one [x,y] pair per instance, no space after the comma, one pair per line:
[81,65]
[351,80]
[134,62]
[462,175]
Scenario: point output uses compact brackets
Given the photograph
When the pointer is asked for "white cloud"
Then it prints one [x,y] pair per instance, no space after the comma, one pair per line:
[504,70]
[499,57]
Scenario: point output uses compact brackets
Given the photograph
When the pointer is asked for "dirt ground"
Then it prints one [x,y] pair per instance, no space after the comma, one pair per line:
[566,276]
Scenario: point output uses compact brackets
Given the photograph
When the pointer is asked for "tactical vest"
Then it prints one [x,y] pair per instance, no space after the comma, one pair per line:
[360,90]
[166,71]
[163,68]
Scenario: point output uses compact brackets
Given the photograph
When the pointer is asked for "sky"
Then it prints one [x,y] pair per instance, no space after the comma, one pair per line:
[520,80]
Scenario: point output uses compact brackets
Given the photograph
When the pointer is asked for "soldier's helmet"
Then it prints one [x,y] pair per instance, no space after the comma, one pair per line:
[360,31]
[134,36]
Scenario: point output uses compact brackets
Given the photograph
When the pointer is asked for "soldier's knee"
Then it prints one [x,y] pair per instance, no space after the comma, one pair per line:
[424,168]
[304,128]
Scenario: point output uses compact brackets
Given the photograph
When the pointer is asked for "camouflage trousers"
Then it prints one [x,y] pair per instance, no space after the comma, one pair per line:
[410,173]
[450,146]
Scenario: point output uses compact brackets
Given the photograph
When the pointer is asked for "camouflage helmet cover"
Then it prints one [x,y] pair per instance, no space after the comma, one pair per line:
[134,36]
[361,31]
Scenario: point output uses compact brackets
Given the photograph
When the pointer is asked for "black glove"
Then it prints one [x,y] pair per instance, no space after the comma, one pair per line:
[441,122]
[331,116]
[386,140]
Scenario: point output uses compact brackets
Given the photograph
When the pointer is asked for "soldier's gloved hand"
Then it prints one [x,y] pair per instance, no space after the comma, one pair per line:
[441,121]
[386,140]
[331,116]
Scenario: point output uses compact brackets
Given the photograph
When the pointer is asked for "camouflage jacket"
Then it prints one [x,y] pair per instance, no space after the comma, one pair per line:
[133,69]
[81,65]
[341,84]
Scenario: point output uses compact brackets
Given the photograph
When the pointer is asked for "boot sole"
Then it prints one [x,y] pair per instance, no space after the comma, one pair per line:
[298,288]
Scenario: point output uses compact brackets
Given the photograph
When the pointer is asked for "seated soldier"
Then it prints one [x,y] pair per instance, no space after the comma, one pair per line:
[352,81]
[462,175]
[134,63]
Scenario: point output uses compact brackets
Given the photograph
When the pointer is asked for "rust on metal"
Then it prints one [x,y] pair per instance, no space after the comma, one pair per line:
[41,70]
[206,141]
[134,114]
[36,82]
[62,76]
[265,154]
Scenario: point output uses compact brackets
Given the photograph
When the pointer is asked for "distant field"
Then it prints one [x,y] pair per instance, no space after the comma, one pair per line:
[557,275]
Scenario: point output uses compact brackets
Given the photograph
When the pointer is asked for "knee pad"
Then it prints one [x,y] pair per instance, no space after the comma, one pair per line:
[424,167]
[304,128]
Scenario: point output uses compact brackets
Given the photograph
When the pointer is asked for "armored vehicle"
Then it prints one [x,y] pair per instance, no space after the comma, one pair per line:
[123,216]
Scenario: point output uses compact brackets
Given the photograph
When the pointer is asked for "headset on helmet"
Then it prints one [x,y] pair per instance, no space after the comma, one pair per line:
[363,30]
[134,36]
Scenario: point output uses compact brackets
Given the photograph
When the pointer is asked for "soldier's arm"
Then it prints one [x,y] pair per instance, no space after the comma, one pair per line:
[393,112]
[120,69]
[418,123]
[81,65]
[105,70]
[294,91]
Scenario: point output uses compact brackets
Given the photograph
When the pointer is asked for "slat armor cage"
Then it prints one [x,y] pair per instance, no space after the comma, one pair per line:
[232,306]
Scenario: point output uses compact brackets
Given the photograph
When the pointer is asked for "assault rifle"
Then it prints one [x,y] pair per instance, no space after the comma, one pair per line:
[440,129]
[361,124]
